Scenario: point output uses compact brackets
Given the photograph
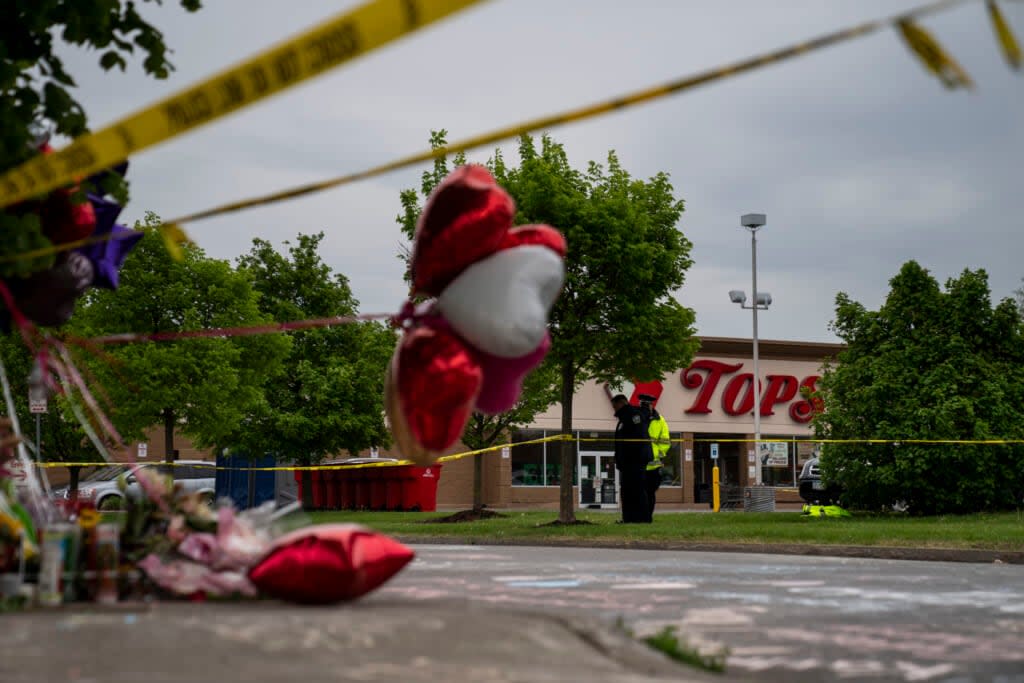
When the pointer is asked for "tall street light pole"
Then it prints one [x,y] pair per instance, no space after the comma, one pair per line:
[753,221]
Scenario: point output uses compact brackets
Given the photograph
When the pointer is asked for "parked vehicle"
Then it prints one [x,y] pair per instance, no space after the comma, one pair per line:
[359,461]
[102,485]
[812,489]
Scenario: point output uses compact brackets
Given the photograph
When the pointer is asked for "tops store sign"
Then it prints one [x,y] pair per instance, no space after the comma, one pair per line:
[705,375]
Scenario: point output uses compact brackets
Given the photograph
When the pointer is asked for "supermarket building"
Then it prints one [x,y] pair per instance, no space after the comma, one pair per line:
[709,402]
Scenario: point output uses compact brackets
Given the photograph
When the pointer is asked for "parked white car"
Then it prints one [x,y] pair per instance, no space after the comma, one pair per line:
[102,485]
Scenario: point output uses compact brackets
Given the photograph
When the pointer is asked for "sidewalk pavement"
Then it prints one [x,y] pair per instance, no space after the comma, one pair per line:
[378,639]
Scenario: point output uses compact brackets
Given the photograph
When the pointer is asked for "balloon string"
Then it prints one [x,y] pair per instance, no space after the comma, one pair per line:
[76,379]
[39,502]
[69,377]
[410,313]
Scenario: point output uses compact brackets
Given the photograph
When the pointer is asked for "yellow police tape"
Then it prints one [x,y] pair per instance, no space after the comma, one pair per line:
[328,45]
[532,442]
[574,115]
[290,468]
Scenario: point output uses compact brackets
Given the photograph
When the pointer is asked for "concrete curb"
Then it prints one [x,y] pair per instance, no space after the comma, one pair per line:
[863,551]
[379,640]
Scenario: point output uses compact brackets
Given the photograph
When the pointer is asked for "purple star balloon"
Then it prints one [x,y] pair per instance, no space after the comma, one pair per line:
[108,257]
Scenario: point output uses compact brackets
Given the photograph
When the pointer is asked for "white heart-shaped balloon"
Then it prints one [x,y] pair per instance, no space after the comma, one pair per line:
[500,304]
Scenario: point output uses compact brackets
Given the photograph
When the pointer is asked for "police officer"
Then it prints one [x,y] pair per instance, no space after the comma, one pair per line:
[660,442]
[632,453]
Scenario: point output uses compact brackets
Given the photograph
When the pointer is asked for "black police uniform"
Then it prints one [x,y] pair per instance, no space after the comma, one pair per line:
[652,478]
[632,453]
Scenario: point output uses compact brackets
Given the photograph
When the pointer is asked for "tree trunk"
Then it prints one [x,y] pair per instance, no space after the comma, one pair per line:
[478,483]
[307,489]
[566,502]
[168,435]
[73,471]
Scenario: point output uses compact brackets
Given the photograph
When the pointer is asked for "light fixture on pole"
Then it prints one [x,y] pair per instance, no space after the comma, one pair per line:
[761,300]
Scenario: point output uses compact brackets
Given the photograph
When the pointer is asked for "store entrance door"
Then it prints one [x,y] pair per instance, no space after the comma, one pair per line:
[599,481]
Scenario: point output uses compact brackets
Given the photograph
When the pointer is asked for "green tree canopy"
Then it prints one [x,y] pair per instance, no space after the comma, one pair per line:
[327,396]
[616,318]
[205,387]
[929,364]
[37,88]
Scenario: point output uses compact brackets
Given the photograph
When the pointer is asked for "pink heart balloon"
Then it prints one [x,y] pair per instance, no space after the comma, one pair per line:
[503,377]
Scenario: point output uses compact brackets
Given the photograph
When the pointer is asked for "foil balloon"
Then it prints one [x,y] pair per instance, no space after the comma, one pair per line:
[48,297]
[491,289]
[328,563]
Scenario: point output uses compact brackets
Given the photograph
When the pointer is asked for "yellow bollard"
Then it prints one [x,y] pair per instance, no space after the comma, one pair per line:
[715,497]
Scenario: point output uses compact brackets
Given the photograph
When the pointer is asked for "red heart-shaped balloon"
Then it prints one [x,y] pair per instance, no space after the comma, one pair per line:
[328,563]
[63,220]
[540,235]
[466,218]
[436,380]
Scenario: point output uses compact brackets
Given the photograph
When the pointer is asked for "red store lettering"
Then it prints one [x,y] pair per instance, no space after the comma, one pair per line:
[781,389]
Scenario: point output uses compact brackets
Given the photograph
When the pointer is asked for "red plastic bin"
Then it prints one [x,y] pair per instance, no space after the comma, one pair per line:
[419,487]
[339,475]
[348,489]
[332,489]
[378,486]
[316,488]
[393,488]
[361,484]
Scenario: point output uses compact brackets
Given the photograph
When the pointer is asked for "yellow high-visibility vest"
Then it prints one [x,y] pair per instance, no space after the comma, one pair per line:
[660,441]
[825,511]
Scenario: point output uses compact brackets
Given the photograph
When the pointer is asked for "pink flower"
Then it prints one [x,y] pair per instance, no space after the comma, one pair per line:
[200,547]
[236,546]
[183,577]
[176,530]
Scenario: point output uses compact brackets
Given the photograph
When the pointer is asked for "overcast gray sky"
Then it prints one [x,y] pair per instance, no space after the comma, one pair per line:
[860,159]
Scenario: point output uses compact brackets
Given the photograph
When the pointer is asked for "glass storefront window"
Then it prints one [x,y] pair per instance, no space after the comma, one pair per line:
[540,464]
[782,460]
[775,460]
[528,460]
[554,468]
[805,450]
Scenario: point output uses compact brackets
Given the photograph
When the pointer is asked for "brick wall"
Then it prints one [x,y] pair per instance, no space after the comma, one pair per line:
[154,438]
[456,485]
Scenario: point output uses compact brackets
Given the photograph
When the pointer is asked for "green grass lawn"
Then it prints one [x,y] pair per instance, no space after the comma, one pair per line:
[1003,531]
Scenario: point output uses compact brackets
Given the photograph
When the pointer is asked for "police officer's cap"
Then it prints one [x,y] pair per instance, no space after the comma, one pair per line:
[647,398]
[619,397]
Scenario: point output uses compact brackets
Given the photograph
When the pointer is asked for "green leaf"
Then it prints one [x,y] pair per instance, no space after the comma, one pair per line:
[112,58]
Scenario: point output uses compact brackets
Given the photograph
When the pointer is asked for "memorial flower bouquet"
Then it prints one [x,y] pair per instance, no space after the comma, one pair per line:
[188,550]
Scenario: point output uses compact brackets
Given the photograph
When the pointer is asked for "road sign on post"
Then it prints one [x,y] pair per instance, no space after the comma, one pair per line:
[714,451]
[37,392]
